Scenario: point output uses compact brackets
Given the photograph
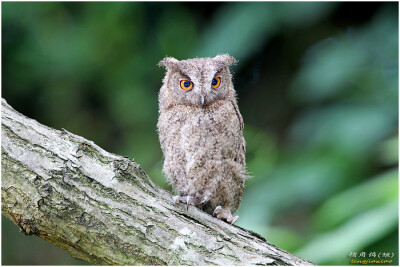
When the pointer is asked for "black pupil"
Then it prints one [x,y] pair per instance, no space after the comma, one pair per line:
[214,82]
[186,83]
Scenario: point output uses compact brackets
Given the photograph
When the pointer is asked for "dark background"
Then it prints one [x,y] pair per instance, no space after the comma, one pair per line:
[317,86]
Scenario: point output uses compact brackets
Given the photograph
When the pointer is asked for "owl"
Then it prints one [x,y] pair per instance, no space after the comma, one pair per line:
[201,134]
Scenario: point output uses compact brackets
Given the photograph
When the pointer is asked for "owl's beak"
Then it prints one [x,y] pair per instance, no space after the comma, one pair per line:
[203,96]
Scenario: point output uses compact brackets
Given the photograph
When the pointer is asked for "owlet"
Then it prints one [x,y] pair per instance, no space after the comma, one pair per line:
[201,134]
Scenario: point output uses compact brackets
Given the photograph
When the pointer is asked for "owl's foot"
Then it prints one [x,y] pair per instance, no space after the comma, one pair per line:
[183,199]
[225,215]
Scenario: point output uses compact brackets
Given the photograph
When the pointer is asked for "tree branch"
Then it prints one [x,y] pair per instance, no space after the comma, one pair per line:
[104,209]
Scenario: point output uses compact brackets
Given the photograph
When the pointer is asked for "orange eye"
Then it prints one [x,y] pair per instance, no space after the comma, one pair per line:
[186,85]
[216,82]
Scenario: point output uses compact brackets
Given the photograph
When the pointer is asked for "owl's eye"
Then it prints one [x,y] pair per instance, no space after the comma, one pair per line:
[215,83]
[186,85]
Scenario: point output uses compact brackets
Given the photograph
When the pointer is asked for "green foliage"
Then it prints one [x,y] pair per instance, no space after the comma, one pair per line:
[353,235]
[381,190]
[256,22]
[317,86]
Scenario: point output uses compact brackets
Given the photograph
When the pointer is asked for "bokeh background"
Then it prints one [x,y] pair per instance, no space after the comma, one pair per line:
[317,86]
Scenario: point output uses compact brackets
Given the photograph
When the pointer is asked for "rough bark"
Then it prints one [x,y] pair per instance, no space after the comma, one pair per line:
[104,209]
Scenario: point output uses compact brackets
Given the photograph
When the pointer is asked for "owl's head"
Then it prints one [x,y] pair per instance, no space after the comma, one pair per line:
[196,82]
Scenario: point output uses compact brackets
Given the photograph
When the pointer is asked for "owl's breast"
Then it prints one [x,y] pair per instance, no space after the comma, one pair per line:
[204,152]
[211,133]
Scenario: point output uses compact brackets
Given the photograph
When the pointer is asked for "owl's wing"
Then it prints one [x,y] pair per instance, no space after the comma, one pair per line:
[235,106]
[242,143]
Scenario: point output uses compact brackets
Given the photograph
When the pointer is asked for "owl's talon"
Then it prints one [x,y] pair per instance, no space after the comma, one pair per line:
[217,210]
[225,215]
[175,199]
[187,200]
[232,220]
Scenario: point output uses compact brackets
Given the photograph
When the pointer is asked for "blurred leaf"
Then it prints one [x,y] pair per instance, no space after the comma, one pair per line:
[250,24]
[360,64]
[380,190]
[358,232]
[236,26]
[303,14]
[175,38]
[261,153]
[282,237]
[353,128]
[329,70]
[298,180]
[389,151]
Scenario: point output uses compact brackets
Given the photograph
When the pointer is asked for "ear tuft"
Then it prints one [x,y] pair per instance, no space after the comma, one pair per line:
[225,59]
[168,62]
